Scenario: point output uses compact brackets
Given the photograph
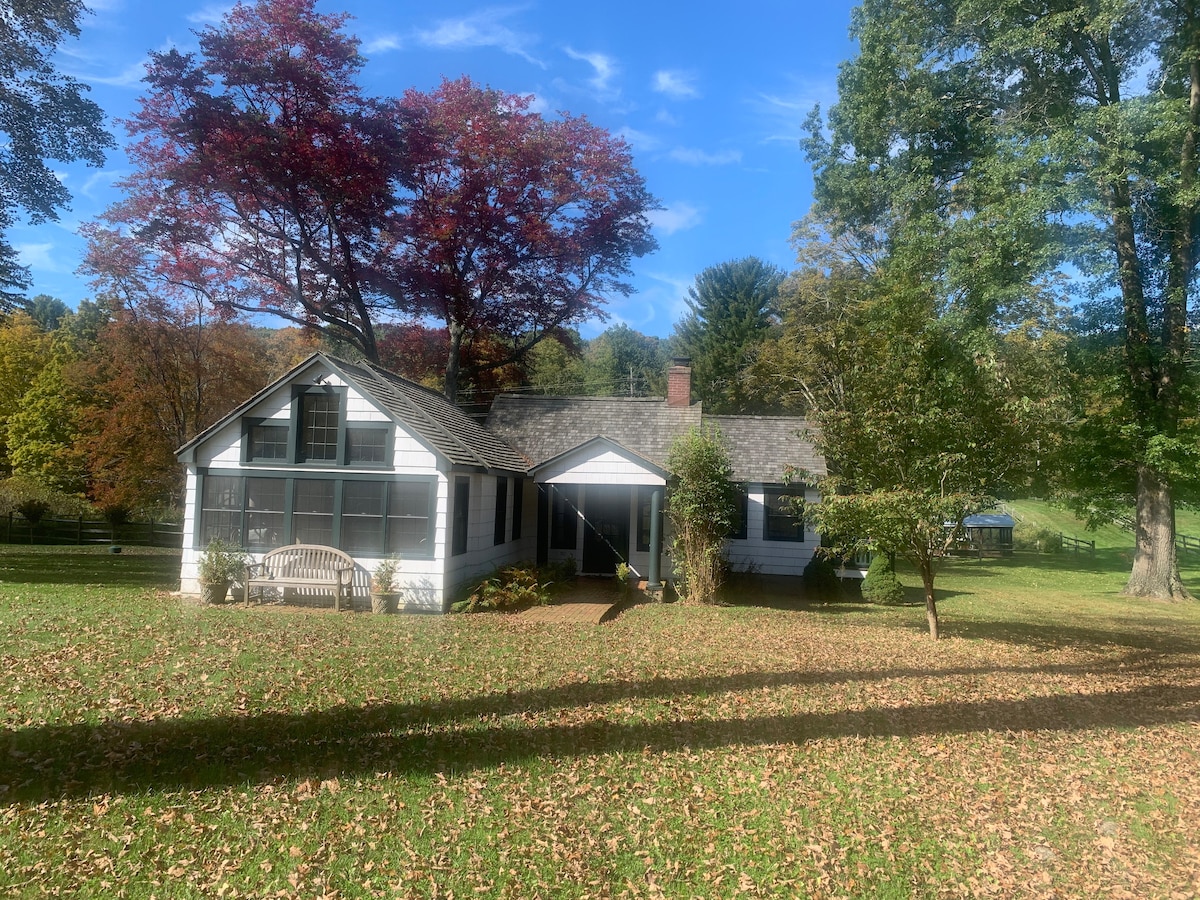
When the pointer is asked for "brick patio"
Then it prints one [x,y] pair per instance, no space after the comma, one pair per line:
[587,602]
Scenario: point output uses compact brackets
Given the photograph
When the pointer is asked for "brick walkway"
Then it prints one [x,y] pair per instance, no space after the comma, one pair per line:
[587,603]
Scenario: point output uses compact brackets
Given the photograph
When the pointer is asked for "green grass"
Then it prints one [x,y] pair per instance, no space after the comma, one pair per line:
[1049,746]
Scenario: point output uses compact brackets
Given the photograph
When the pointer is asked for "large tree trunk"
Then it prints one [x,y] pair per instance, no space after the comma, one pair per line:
[1155,564]
[931,613]
[453,359]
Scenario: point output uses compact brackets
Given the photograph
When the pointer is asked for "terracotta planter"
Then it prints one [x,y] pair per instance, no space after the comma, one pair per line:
[214,592]
[384,603]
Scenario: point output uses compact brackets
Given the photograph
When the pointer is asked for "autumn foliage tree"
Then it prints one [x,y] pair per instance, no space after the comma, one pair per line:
[266,181]
[264,177]
[171,371]
[516,225]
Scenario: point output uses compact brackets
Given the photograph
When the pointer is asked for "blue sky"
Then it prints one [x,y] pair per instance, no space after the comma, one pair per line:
[711,97]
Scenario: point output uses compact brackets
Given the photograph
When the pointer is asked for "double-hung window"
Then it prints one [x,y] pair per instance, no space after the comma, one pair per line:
[783,520]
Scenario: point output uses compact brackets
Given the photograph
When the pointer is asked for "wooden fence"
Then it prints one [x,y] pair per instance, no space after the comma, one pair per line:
[15,529]
[1185,543]
[1077,545]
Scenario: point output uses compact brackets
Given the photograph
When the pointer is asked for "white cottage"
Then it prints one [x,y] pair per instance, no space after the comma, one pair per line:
[352,456]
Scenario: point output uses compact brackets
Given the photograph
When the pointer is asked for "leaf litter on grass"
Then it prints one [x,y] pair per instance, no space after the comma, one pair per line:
[677,751]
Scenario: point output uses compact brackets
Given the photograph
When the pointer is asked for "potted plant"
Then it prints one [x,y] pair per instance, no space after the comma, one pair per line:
[220,564]
[384,595]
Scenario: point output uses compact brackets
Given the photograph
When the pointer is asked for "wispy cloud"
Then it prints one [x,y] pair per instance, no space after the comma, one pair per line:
[102,179]
[675,83]
[482,29]
[130,76]
[783,112]
[39,257]
[604,70]
[694,157]
[210,14]
[678,216]
[384,43]
[639,140]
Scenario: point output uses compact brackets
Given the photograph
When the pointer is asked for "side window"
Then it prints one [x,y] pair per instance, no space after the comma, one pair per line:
[739,532]
[501,518]
[518,504]
[462,510]
[783,519]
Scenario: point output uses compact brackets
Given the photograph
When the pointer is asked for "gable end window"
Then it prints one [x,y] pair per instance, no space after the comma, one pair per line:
[368,445]
[266,440]
[320,418]
[783,520]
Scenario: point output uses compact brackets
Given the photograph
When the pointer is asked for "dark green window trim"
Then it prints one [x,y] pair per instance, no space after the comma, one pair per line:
[300,433]
[259,435]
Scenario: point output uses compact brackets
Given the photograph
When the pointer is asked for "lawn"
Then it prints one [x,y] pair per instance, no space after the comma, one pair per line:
[1048,747]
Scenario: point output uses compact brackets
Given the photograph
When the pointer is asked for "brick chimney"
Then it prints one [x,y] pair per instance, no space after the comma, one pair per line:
[679,382]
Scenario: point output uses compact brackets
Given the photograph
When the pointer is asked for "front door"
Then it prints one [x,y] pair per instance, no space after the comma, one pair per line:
[605,529]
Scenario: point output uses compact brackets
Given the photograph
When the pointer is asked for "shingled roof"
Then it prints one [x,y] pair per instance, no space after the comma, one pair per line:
[761,447]
[441,424]
[545,427]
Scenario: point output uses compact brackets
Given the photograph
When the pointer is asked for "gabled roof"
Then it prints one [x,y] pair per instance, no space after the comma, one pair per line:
[761,448]
[602,443]
[545,427]
[441,425]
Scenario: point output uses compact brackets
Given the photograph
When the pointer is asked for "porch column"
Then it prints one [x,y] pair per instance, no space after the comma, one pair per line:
[654,581]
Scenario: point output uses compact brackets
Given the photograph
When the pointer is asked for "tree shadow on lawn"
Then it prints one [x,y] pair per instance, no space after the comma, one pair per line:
[133,567]
[488,730]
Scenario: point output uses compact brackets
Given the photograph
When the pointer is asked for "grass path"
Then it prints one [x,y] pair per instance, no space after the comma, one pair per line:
[1050,746]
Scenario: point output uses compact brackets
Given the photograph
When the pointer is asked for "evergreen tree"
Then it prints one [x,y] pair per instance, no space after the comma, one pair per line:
[733,307]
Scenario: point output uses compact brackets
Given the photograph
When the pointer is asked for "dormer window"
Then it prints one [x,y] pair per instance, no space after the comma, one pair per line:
[320,420]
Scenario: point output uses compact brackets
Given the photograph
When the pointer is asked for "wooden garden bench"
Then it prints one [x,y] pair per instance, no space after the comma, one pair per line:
[301,566]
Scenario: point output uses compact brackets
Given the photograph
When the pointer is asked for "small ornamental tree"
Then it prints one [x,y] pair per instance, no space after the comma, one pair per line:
[919,526]
[701,506]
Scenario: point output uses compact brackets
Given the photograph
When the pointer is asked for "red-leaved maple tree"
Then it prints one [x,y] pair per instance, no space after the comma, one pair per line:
[266,181]
[264,177]
[513,225]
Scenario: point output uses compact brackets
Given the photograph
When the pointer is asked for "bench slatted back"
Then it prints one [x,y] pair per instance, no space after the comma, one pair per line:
[306,561]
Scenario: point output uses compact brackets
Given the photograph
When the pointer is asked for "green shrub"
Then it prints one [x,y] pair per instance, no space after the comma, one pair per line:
[881,585]
[1039,540]
[820,580]
[20,490]
[702,508]
[508,589]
